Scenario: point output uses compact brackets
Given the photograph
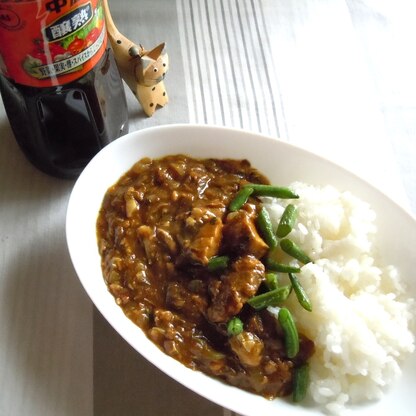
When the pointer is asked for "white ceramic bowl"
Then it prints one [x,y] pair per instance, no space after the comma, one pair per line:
[282,163]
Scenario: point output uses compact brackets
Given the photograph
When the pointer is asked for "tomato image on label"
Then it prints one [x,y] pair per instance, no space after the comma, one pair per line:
[92,36]
[76,46]
[56,52]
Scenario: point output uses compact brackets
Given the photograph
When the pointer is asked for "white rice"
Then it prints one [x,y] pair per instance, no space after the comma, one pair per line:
[361,318]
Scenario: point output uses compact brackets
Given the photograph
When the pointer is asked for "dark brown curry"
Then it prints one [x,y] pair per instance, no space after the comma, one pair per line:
[158,227]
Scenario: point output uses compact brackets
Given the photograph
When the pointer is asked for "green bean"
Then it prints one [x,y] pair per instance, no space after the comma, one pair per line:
[271,298]
[218,263]
[291,248]
[287,221]
[266,229]
[280,267]
[291,333]
[234,326]
[274,191]
[300,293]
[272,281]
[240,199]
[300,383]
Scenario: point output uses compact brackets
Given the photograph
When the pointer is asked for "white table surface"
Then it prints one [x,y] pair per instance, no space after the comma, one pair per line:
[334,76]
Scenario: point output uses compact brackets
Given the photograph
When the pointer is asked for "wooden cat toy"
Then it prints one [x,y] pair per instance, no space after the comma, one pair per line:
[142,70]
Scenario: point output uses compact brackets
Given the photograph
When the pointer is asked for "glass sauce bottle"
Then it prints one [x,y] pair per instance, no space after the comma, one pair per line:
[60,85]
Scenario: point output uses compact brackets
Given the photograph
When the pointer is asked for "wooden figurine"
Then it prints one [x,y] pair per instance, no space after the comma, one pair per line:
[142,70]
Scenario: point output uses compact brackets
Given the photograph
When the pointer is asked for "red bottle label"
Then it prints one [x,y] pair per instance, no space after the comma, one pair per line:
[46,43]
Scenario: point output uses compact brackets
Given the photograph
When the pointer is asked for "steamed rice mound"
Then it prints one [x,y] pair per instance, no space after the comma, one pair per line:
[361,317]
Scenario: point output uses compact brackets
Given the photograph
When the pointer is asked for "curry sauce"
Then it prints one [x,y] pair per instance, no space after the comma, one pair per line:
[157,229]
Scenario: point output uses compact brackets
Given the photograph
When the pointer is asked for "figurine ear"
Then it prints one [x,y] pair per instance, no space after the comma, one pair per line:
[146,61]
[157,51]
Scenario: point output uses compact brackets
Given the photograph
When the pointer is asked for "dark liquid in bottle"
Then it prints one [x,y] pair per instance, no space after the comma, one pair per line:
[61,128]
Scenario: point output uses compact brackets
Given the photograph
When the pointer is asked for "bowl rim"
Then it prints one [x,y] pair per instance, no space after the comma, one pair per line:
[152,356]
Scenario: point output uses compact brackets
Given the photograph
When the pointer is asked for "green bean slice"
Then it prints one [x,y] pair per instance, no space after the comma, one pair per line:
[300,383]
[272,280]
[240,199]
[287,221]
[234,326]
[280,267]
[273,191]
[266,229]
[271,298]
[291,248]
[218,263]
[291,333]
[300,293]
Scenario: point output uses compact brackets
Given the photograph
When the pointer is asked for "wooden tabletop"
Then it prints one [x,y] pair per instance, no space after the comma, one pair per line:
[334,76]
